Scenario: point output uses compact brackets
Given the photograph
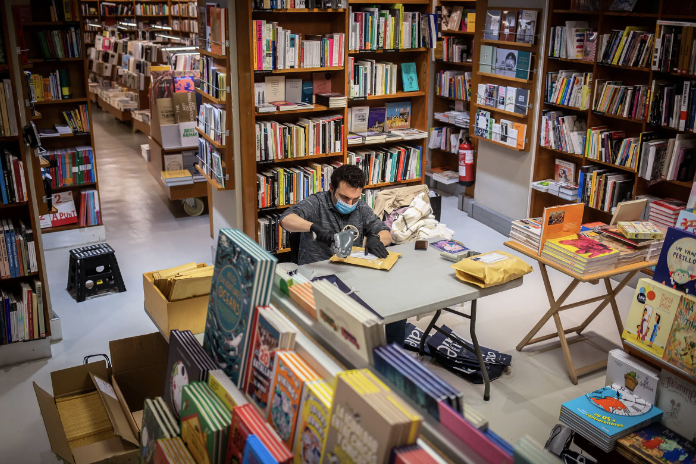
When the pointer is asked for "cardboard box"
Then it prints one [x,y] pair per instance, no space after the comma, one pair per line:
[138,371]
[189,314]
[120,449]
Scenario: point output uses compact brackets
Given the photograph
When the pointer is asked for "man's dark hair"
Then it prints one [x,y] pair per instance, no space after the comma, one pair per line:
[350,174]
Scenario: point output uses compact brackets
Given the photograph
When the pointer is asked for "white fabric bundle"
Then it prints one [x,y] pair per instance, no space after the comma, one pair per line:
[418,223]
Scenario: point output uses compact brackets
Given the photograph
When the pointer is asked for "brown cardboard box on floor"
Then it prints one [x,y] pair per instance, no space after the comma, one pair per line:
[121,448]
[138,371]
[186,314]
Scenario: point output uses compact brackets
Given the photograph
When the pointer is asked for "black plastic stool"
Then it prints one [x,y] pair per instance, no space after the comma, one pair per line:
[84,263]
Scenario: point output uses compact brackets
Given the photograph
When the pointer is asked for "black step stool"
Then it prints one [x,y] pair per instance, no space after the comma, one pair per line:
[84,263]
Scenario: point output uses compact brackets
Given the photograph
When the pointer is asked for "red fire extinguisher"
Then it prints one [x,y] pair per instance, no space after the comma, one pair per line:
[466,162]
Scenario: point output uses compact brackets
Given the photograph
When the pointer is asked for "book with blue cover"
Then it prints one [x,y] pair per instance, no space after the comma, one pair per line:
[398,115]
[376,119]
[242,280]
[409,77]
[676,267]
[657,444]
[256,453]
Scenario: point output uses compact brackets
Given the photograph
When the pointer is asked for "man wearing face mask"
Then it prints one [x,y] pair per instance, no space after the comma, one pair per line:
[327,213]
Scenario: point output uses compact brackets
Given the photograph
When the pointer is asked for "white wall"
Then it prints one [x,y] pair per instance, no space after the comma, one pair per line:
[503,176]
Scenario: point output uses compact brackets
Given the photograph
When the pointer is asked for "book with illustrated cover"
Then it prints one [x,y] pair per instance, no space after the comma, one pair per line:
[565,171]
[623,5]
[409,77]
[256,453]
[243,277]
[650,318]
[264,343]
[376,119]
[153,428]
[626,371]
[656,444]
[506,63]
[526,26]
[450,246]
[313,421]
[676,268]
[183,367]
[398,115]
[680,349]
[509,26]
[200,427]
[677,398]
[492,31]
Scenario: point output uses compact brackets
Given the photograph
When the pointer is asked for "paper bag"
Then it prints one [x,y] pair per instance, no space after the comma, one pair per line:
[376,263]
[490,269]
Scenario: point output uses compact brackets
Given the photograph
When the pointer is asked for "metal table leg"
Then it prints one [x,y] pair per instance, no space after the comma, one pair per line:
[421,351]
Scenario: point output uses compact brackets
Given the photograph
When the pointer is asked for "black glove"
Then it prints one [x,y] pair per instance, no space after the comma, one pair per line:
[322,234]
[376,247]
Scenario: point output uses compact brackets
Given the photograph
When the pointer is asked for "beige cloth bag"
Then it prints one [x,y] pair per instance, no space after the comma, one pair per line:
[490,269]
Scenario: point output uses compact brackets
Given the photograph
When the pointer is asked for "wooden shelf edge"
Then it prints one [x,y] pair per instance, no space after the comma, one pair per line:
[497,143]
[398,182]
[301,158]
[505,78]
[215,184]
[212,99]
[506,43]
[213,142]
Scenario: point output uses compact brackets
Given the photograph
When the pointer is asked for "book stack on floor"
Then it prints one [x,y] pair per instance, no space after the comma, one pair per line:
[22,313]
[640,447]
[527,232]
[608,414]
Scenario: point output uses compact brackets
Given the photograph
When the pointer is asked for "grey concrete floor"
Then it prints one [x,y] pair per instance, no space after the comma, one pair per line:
[148,233]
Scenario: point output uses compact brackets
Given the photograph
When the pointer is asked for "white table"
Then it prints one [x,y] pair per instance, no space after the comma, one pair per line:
[420,282]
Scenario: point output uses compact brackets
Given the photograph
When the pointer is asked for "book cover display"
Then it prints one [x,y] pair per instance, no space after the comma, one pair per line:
[626,371]
[652,312]
[264,344]
[656,444]
[153,429]
[680,350]
[312,422]
[242,280]
[561,221]
[676,267]
[677,398]
[398,115]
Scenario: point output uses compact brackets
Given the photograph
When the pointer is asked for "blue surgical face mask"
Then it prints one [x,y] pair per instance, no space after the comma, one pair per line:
[345,208]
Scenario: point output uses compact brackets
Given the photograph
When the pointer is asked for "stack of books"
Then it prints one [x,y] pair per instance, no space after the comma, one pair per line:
[666,212]
[203,411]
[640,229]
[628,253]
[158,424]
[627,371]
[527,232]
[415,380]
[649,248]
[608,414]
[174,178]
[457,118]
[580,254]
[331,100]
[172,451]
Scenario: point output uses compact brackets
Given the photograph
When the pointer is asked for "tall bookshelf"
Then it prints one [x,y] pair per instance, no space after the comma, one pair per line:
[442,158]
[26,210]
[319,22]
[646,14]
[50,112]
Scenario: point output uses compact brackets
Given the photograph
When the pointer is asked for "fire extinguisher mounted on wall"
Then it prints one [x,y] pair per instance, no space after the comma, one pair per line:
[466,162]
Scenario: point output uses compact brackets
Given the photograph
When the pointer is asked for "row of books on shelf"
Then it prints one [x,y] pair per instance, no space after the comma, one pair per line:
[71,166]
[8,118]
[185,9]
[138,49]
[511,25]
[391,28]
[388,164]
[562,132]
[505,62]
[667,158]
[370,77]
[306,137]
[13,186]
[509,133]
[213,24]
[574,41]
[453,84]
[298,4]
[151,9]
[456,18]
[64,202]
[272,237]
[282,186]
[278,48]
[456,118]
[213,78]
[392,116]
[210,161]
[569,88]
[56,86]
[280,89]
[628,101]
[212,122]
[115,9]
[186,25]
[186,62]
[90,213]
[511,99]
[60,43]
[446,138]
[673,105]
[674,48]
[17,249]
[132,80]
[454,49]
[22,312]
[630,47]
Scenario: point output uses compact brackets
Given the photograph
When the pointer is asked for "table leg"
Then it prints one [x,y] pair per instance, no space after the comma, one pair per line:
[421,350]
[566,350]
[477,349]
[555,304]
[611,293]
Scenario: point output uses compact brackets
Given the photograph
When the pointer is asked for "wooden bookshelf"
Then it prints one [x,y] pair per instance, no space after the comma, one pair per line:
[25,210]
[317,22]
[52,110]
[645,14]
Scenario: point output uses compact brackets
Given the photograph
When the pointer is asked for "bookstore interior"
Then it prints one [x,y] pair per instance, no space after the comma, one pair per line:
[277,221]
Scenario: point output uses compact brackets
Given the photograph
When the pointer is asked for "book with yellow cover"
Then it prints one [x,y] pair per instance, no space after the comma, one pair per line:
[313,421]
[176,174]
[582,248]
[561,221]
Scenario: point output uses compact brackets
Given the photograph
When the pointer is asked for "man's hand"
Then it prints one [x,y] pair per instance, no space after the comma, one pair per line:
[323,235]
[376,247]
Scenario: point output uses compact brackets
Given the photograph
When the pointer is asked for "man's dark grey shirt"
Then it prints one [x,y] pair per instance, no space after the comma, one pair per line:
[320,210]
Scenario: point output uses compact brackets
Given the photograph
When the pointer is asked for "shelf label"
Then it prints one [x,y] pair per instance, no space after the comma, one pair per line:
[358,98]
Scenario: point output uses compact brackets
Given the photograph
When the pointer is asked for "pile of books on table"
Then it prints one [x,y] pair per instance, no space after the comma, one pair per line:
[527,232]
[458,118]
[650,248]
[580,254]
[665,212]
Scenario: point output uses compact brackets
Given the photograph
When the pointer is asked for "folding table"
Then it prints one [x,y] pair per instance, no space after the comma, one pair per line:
[557,304]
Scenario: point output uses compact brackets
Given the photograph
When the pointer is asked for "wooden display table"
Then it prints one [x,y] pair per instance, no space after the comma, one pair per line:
[557,304]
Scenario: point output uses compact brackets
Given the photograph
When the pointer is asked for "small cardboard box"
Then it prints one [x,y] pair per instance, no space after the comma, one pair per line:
[121,449]
[138,371]
[189,314]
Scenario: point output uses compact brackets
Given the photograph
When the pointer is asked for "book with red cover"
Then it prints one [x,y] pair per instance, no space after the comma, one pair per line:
[669,206]
[267,435]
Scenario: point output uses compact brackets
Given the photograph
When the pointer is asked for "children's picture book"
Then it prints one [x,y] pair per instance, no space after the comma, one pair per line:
[153,428]
[687,220]
[199,426]
[184,84]
[376,119]
[565,171]
[409,77]
[264,344]
[450,246]
[676,267]
[653,309]
[681,342]
[243,277]
[289,378]
[182,368]
[657,444]
[256,453]
[398,115]
[677,398]
[626,371]
[313,421]
[561,221]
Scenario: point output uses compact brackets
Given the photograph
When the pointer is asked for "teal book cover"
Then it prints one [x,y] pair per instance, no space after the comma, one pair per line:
[307,92]
[242,280]
[524,62]
[409,77]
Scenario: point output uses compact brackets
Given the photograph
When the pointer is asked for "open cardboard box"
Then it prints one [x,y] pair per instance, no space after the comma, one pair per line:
[188,314]
[121,449]
[138,371]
